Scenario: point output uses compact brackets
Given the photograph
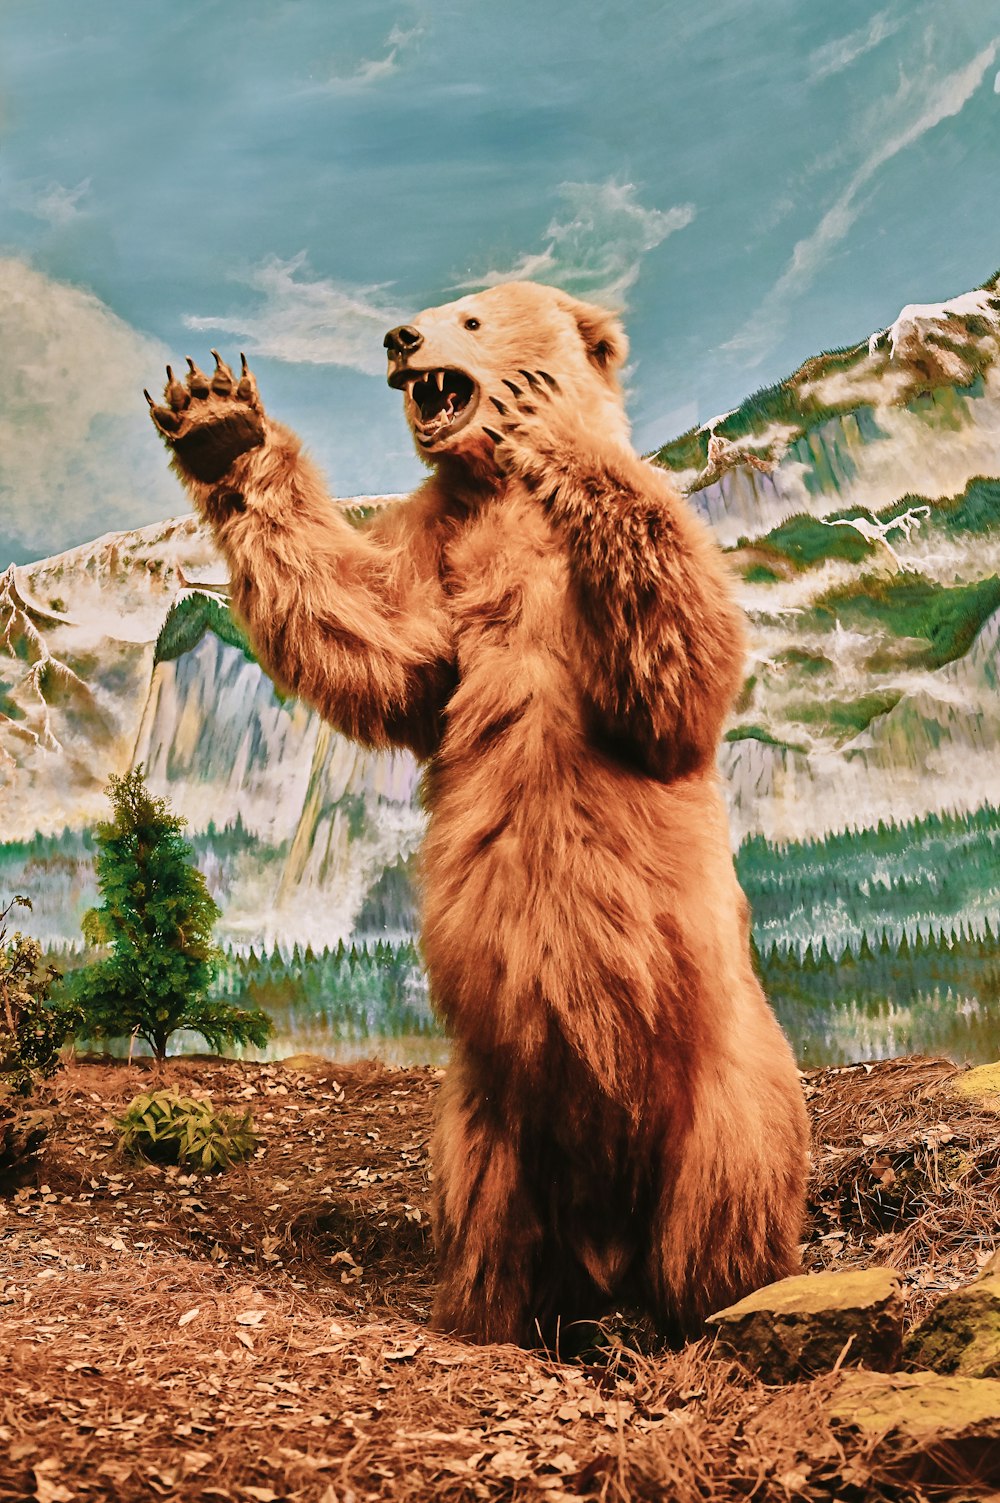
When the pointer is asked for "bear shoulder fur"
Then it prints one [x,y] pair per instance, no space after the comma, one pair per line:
[547,624]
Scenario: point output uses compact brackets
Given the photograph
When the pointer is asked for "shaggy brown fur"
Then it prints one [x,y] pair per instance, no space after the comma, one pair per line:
[548,625]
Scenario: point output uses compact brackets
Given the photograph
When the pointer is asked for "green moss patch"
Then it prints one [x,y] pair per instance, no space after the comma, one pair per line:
[7,705]
[849,716]
[760,574]
[908,605]
[813,663]
[758,733]
[189,620]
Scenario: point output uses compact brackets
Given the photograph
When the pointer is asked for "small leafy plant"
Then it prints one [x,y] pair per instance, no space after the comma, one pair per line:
[187,1130]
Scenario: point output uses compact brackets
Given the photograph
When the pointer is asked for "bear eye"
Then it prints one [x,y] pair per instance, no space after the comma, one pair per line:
[472,323]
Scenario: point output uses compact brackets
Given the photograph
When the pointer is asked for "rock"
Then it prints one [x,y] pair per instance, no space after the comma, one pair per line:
[981,1085]
[962,1332]
[802,1324]
[305,1064]
[931,1429]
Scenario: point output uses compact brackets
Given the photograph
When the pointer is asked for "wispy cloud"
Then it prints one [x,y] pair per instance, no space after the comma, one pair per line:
[597,247]
[928,101]
[835,56]
[54,204]
[77,453]
[308,321]
[373,70]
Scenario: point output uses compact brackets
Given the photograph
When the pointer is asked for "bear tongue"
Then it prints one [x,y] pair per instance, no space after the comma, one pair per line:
[439,410]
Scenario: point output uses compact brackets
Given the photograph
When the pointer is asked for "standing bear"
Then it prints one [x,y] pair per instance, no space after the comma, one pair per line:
[550,629]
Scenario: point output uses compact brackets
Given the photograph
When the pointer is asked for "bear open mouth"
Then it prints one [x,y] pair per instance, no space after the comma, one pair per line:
[442,400]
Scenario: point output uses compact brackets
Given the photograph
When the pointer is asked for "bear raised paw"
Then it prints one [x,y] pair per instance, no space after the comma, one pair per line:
[550,628]
[209,422]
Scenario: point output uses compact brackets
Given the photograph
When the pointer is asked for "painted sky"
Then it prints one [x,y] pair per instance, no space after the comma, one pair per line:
[750,183]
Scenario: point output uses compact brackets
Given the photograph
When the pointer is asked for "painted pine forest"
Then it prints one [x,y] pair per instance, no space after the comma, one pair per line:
[878,942]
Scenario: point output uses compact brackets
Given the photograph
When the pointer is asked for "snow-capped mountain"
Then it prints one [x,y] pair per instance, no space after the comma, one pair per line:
[860,505]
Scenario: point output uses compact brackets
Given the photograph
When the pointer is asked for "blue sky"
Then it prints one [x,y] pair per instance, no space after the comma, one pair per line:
[750,183]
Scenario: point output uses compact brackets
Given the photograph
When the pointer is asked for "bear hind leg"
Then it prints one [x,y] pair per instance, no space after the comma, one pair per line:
[728,1224]
[487,1232]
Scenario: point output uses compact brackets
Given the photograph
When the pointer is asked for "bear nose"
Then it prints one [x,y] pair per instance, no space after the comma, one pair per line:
[403,340]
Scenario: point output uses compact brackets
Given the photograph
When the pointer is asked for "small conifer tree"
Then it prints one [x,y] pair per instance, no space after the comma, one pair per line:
[155,923]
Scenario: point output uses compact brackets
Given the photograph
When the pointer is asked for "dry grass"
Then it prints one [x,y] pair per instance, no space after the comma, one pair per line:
[904,1174]
[261,1334]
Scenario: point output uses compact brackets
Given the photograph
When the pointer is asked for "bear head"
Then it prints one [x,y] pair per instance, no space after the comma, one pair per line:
[449,361]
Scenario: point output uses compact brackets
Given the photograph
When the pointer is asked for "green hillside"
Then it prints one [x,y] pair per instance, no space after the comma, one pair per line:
[188,621]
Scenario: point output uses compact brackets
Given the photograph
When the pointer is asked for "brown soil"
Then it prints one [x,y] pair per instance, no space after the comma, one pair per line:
[261,1334]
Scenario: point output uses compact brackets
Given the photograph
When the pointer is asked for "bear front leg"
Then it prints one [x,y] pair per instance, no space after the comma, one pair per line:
[658,635]
[351,620]
[486,1231]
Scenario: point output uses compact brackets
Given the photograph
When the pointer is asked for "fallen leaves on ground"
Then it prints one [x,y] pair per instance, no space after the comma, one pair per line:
[261,1334]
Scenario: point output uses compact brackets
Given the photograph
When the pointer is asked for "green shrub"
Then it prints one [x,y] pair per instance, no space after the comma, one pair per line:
[32,1031]
[177,1129]
[33,1028]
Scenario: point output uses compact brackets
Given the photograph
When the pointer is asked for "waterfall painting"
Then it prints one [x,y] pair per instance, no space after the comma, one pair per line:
[800,242]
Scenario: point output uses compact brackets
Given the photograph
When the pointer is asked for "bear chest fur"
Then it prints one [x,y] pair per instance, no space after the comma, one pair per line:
[506,582]
[505,578]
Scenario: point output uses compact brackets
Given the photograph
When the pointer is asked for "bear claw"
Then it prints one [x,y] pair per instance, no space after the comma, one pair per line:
[247,389]
[198,383]
[177,395]
[222,379]
[166,421]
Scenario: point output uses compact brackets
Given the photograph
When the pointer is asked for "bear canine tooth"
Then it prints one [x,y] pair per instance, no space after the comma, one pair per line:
[439,377]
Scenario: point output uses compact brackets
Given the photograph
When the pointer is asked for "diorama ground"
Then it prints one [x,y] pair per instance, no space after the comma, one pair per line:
[261,1334]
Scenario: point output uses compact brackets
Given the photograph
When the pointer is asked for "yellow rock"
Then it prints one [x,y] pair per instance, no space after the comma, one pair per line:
[962,1333]
[917,1404]
[929,1428]
[981,1085]
[303,1063]
[808,1323]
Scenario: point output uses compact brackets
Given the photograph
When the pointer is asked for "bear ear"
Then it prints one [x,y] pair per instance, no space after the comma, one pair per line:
[603,337]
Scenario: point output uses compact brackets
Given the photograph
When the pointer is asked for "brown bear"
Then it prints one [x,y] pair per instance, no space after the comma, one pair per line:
[548,626]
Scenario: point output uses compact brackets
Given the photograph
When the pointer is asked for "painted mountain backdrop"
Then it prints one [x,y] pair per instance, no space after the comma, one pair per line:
[859,501]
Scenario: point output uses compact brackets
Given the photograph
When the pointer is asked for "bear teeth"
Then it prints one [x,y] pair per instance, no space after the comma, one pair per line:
[440,399]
